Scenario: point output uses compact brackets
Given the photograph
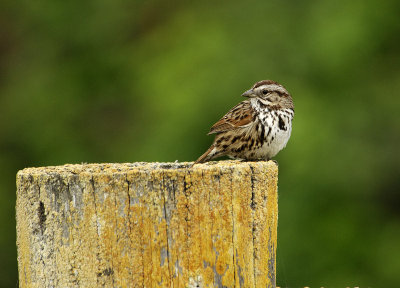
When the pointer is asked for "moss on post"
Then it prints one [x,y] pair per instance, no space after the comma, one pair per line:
[148,225]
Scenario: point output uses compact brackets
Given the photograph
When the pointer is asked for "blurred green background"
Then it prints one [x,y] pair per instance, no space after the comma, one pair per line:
[126,81]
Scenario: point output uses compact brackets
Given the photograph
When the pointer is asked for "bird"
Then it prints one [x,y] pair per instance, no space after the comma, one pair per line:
[257,128]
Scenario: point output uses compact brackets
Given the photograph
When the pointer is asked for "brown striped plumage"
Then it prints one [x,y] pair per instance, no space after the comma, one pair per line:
[255,129]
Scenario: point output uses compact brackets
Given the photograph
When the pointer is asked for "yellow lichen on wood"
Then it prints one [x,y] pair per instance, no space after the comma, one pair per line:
[148,225]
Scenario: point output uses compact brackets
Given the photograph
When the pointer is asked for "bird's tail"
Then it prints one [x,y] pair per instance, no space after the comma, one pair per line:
[208,155]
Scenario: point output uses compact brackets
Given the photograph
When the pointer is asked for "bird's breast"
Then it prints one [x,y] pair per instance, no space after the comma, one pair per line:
[275,129]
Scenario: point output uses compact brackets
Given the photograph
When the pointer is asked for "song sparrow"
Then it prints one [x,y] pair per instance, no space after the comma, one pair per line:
[255,129]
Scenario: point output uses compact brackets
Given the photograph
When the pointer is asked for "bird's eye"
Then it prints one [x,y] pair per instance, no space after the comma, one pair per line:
[265,92]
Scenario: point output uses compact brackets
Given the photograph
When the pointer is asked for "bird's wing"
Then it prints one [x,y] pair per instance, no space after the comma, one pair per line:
[239,116]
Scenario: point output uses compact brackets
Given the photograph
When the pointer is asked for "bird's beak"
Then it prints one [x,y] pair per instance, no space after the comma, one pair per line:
[248,93]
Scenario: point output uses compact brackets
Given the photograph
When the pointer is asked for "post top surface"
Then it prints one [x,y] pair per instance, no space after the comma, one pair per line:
[112,168]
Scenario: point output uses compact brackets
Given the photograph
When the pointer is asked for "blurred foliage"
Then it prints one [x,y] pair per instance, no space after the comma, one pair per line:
[120,81]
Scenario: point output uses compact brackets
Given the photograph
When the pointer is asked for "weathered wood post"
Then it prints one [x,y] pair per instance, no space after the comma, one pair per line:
[148,225]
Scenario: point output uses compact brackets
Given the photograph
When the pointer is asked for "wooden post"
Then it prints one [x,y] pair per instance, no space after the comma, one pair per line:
[148,225]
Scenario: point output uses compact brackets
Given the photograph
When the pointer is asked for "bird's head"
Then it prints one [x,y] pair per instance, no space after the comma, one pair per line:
[271,93]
